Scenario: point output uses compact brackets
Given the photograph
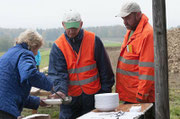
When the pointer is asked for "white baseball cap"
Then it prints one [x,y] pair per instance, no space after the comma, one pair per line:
[128,8]
[72,19]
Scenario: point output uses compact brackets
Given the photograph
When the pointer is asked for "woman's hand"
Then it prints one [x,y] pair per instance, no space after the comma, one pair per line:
[42,103]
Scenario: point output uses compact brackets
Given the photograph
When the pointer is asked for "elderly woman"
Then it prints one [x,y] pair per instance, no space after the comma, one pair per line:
[18,73]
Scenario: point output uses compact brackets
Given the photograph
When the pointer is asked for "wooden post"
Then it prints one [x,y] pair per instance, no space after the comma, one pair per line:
[161,60]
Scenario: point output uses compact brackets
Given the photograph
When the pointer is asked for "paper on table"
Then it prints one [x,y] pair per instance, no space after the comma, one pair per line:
[135,109]
[111,115]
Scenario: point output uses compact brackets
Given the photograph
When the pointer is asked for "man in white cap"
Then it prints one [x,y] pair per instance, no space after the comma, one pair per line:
[79,66]
[135,69]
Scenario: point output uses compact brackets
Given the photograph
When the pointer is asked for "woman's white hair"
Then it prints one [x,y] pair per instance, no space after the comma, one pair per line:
[32,38]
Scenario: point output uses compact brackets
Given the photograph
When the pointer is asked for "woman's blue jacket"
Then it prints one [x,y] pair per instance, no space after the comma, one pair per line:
[18,74]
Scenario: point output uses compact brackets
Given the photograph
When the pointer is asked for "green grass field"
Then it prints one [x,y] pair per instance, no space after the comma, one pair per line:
[112,44]
[1,53]
[52,110]
[174,95]
[174,107]
[44,57]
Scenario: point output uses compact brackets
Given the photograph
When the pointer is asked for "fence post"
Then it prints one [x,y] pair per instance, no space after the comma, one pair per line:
[161,60]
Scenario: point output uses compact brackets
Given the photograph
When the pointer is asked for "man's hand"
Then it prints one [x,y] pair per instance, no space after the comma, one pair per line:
[55,95]
[139,100]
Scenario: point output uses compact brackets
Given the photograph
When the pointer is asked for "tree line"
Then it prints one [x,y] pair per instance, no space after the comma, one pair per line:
[7,35]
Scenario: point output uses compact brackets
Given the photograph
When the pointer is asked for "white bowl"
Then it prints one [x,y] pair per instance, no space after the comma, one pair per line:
[37,116]
[53,101]
[106,101]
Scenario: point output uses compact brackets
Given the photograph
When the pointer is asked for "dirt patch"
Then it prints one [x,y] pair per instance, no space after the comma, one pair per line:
[173,38]
[113,53]
[174,80]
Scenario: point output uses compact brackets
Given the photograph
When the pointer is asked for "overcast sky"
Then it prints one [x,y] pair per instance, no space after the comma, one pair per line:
[48,13]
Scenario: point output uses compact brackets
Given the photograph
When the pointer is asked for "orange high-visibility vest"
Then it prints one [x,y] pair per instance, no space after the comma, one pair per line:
[82,69]
[135,69]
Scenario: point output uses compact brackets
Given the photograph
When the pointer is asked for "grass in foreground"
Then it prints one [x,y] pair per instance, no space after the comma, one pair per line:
[53,111]
[174,95]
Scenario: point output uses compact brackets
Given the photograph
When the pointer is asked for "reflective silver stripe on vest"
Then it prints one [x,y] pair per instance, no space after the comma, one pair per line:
[128,61]
[136,62]
[85,81]
[146,64]
[82,69]
[144,77]
[127,72]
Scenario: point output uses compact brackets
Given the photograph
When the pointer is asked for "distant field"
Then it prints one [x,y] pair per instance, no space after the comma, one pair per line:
[111,44]
[45,52]
[1,53]
[44,57]
[113,39]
